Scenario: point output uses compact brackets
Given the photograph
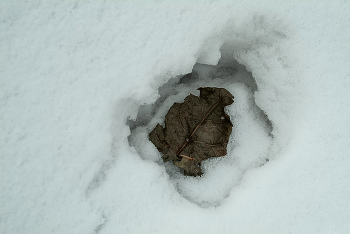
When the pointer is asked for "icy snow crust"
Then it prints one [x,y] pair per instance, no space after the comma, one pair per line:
[78,76]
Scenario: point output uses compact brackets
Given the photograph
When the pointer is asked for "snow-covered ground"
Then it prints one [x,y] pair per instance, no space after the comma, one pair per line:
[75,157]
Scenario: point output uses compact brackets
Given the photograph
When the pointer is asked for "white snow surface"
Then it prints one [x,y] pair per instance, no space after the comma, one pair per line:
[74,73]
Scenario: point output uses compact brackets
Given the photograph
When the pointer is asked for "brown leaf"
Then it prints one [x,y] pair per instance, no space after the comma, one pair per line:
[195,130]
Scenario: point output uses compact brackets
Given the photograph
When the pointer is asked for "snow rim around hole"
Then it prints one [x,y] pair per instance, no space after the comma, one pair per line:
[229,74]
[261,52]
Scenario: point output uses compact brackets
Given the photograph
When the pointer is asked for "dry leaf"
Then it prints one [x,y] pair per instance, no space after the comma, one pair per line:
[195,130]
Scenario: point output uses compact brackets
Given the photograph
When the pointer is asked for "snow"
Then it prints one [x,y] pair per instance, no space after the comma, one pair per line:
[79,85]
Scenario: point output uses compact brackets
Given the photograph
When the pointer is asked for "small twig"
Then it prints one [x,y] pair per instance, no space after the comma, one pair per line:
[204,118]
[184,156]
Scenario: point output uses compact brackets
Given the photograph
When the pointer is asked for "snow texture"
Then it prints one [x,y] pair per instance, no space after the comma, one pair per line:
[82,83]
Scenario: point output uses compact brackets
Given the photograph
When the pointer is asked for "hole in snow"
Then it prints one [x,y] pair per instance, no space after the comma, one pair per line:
[249,143]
